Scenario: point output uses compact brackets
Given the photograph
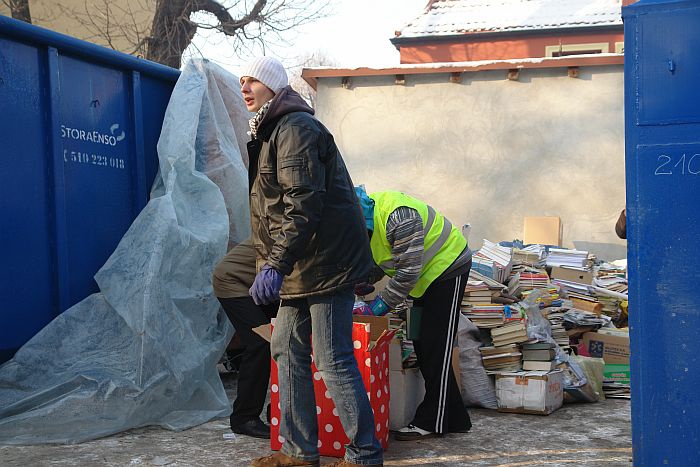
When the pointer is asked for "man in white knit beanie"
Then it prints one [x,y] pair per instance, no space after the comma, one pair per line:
[311,249]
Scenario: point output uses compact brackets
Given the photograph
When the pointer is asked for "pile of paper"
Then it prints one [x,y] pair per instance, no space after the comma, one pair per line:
[564,257]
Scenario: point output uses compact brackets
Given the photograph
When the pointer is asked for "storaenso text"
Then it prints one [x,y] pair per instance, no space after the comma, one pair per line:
[92,136]
[114,136]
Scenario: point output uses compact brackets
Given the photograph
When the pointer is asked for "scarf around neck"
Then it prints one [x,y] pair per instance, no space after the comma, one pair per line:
[255,121]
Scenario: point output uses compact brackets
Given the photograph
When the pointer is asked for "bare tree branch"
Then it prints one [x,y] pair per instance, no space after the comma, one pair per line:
[161,30]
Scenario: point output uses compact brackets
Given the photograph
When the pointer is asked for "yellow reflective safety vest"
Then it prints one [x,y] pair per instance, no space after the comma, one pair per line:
[442,242]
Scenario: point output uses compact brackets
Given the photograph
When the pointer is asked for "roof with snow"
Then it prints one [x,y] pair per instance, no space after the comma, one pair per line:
[453,17]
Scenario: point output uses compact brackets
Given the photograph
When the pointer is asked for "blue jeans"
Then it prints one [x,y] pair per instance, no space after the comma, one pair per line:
[327,319]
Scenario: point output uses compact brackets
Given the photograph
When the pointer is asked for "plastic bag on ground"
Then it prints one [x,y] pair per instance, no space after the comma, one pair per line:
[538,327]
[143,351]
[478,389]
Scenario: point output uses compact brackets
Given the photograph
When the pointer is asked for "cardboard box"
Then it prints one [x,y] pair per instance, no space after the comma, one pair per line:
[407,391]
[373,362]
[542,230]
[616,372]
[534,392]
[572,275]
[379,324]
[612,349]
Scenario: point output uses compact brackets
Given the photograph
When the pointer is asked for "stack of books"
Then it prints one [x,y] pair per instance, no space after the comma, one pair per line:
[564,257]
[513,332]
[527,280]
[538,356]
[559,334]
[485,315]
[533,255]
[552,299]
[614,283]
[493,261]
[496,288]
[505,358]
[476,292]
[584,301]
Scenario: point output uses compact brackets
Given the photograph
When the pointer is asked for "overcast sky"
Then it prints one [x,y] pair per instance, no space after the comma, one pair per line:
[356,35]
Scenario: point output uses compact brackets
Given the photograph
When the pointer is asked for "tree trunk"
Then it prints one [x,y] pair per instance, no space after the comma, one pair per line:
[171,33]
[20,10]
[172,30]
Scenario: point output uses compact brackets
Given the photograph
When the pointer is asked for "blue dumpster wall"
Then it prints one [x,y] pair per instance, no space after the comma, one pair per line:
[79,126]
[662,120]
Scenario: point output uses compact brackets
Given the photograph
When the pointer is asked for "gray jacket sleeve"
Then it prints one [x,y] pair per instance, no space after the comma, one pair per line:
[404,231]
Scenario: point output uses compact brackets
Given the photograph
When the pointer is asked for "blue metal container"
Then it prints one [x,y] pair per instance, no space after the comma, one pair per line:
[662,131]
[79,125]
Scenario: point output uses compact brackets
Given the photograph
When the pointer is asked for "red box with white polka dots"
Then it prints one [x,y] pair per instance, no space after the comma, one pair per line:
[373,363]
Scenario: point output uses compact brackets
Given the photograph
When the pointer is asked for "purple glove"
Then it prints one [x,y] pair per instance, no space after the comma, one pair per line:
[266,286]
[378,306]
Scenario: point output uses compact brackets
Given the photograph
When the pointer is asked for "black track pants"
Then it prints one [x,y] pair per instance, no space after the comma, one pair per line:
[442,409]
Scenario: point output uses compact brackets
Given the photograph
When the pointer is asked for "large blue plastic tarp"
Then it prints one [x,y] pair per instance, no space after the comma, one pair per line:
[143,351]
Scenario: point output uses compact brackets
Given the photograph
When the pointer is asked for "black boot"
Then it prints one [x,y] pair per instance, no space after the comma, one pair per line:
[254,428]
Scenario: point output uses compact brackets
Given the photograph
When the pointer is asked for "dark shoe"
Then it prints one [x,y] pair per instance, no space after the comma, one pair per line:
[412,433]
[254,428]
[282,460]
[344,463]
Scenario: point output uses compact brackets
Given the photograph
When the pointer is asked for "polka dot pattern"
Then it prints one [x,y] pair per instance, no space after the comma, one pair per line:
[375,372]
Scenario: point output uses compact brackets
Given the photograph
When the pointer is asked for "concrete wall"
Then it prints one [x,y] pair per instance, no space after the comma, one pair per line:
[489,151]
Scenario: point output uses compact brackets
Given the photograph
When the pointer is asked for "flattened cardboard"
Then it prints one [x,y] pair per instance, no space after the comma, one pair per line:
[543,230]
[264,331]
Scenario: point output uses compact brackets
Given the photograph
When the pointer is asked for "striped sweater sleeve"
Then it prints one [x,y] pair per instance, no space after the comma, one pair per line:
[404,231]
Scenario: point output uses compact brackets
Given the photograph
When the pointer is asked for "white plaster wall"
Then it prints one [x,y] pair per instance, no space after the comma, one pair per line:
[489,151]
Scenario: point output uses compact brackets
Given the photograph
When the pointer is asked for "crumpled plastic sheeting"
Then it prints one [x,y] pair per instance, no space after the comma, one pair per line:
[144,350]
[477,388]
[539,328]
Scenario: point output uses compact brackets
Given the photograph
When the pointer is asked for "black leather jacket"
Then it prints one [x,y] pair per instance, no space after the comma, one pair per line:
[306,220]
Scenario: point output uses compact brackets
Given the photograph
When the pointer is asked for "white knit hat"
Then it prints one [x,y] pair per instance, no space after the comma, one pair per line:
[268,71]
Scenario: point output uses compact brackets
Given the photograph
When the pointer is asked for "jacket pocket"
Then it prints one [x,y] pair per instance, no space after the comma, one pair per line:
[294,171]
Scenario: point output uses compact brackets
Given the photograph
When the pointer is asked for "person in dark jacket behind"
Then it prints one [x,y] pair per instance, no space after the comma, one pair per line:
[232,278]
[621,225]
[312,248]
